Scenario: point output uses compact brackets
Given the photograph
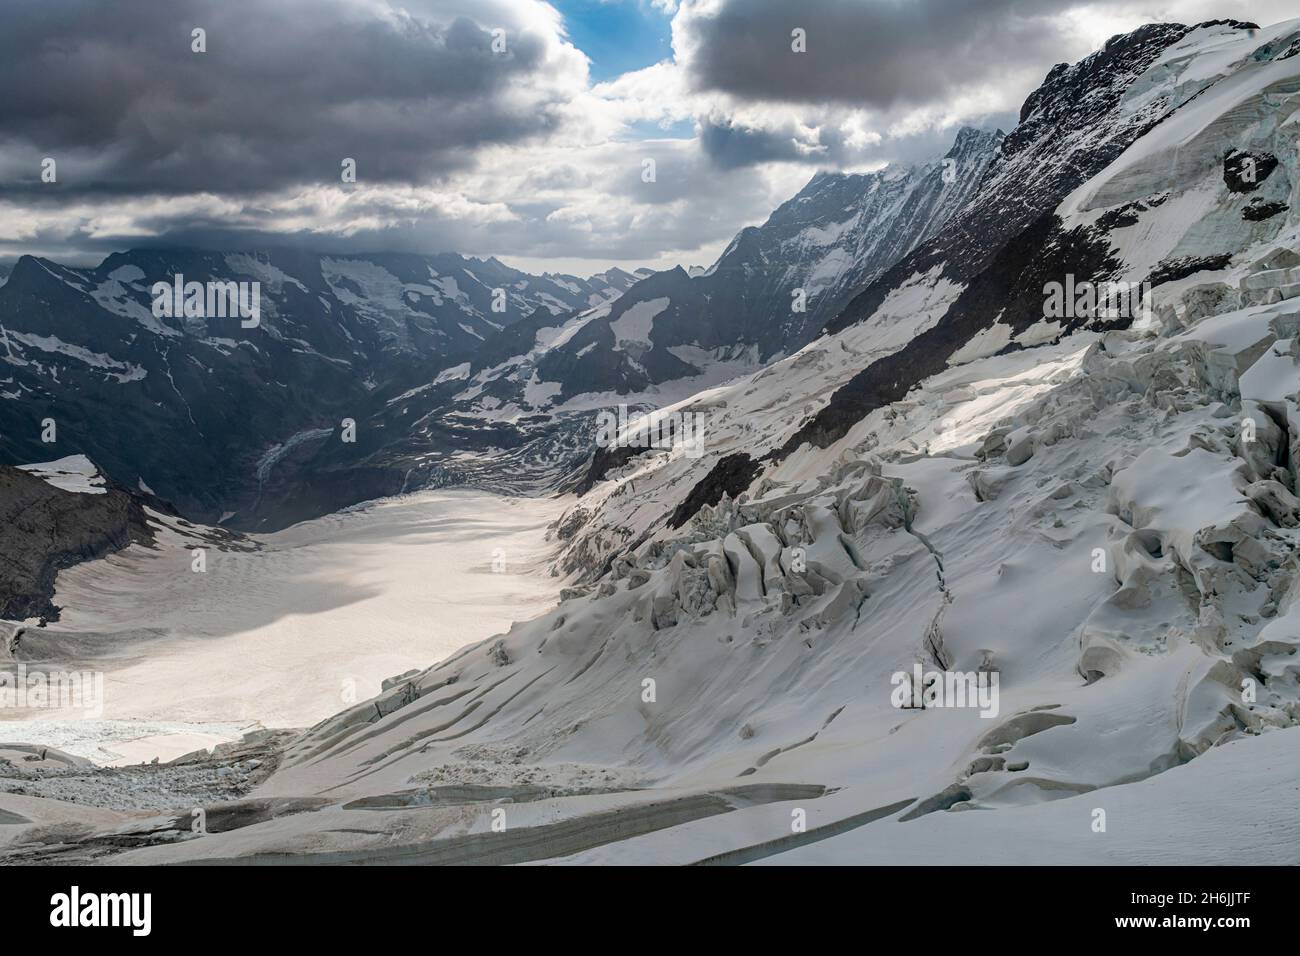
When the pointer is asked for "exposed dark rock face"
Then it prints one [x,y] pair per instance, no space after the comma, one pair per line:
[731,475]
[603,461]
[1245,171]
[44,529]
[1129,214]
[1171,270]
[1258,211]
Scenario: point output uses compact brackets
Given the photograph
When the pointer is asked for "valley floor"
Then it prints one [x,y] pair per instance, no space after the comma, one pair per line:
[288,634]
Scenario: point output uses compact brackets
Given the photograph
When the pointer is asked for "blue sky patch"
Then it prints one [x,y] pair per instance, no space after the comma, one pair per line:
[618,36]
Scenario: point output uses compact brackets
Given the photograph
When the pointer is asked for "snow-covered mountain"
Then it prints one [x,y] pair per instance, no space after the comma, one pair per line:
[529,391]
[842,231]
[769,293]
[1092,517]
[439,360]
[203,409]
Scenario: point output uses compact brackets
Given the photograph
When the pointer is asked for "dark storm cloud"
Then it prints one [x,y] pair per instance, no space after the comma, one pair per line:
[731,145]
[284,92]
[876,54]
[619,218]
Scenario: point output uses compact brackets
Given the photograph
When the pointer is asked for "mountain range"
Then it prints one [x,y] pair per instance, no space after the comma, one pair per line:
[83,348]
[437,360]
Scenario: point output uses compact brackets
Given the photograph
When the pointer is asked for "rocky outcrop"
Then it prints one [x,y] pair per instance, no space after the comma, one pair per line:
[44,529]
[730,476]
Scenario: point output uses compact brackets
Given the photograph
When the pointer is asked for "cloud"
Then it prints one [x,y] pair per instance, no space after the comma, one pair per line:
[883,55]
[732,145]
[549,201]
[285,91]
[872,54]
[463,149]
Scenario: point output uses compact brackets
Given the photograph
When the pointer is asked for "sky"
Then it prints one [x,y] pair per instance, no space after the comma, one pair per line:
[566,136]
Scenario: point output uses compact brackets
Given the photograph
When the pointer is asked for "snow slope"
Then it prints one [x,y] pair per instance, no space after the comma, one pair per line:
[76,473]
[284,629]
